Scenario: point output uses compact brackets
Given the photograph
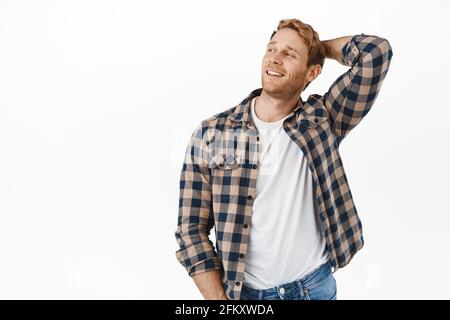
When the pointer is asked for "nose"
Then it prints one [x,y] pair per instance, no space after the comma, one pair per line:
[275,59]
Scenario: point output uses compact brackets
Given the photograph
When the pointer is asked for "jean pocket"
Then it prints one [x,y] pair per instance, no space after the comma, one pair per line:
[326,289]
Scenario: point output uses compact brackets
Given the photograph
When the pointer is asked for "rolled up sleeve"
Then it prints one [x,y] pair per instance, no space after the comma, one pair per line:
[195,216]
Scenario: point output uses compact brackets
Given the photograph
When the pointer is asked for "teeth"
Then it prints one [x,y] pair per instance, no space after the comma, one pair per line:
[272,73]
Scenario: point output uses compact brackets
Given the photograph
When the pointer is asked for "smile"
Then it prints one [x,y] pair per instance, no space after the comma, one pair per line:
[273,73]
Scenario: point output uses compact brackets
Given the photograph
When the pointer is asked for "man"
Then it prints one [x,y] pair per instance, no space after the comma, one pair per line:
[268,174]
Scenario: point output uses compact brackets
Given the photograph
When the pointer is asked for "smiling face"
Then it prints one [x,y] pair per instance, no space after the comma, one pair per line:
[284,66]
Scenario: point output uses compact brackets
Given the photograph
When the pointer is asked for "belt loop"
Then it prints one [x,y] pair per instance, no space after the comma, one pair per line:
[301,289]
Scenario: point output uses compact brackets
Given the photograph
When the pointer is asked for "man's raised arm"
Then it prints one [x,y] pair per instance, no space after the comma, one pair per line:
[352,95]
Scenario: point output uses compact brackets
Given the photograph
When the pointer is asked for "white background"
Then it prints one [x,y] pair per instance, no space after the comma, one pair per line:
[98,100]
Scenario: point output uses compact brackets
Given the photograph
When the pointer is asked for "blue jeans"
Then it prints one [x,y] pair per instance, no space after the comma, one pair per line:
[319,284]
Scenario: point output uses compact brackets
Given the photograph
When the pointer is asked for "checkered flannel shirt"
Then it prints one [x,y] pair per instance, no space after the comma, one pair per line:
[218,178]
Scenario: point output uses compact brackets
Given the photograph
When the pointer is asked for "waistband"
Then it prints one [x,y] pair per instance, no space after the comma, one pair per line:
[306,282]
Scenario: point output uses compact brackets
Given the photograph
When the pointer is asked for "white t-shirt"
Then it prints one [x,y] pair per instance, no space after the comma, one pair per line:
[285,239]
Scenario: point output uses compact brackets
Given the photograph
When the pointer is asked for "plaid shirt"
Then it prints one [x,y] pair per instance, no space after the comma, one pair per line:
[218,178]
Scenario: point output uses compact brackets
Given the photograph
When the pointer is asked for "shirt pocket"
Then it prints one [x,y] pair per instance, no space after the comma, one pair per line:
[228,161]
[313,122]
[313,117]
[226,170]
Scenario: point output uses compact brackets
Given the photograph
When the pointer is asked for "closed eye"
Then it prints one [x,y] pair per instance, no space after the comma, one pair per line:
[290,54]
[286,53]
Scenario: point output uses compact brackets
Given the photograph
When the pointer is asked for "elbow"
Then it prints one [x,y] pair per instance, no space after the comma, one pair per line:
[385,48]
[378,54]
[191,234]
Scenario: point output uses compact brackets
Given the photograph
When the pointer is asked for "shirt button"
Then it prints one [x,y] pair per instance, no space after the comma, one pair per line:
[241,255]
[250,197]
[257,138]
[254,166]
[245,226]
[238,284]
[316,120]
[282,291]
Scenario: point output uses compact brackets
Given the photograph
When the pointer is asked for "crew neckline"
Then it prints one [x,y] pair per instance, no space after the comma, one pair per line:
[272,124]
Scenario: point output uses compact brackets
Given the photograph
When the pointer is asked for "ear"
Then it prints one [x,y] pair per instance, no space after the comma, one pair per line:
[313,72]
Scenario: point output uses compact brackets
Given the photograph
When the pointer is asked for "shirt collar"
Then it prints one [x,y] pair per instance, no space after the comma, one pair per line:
[241,113]
[312,108]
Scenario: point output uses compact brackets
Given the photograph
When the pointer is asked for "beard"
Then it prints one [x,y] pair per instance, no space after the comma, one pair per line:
[280,88]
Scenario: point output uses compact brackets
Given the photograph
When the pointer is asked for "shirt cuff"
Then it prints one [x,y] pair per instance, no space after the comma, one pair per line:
[350,51]
[206,265]
[199,257]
